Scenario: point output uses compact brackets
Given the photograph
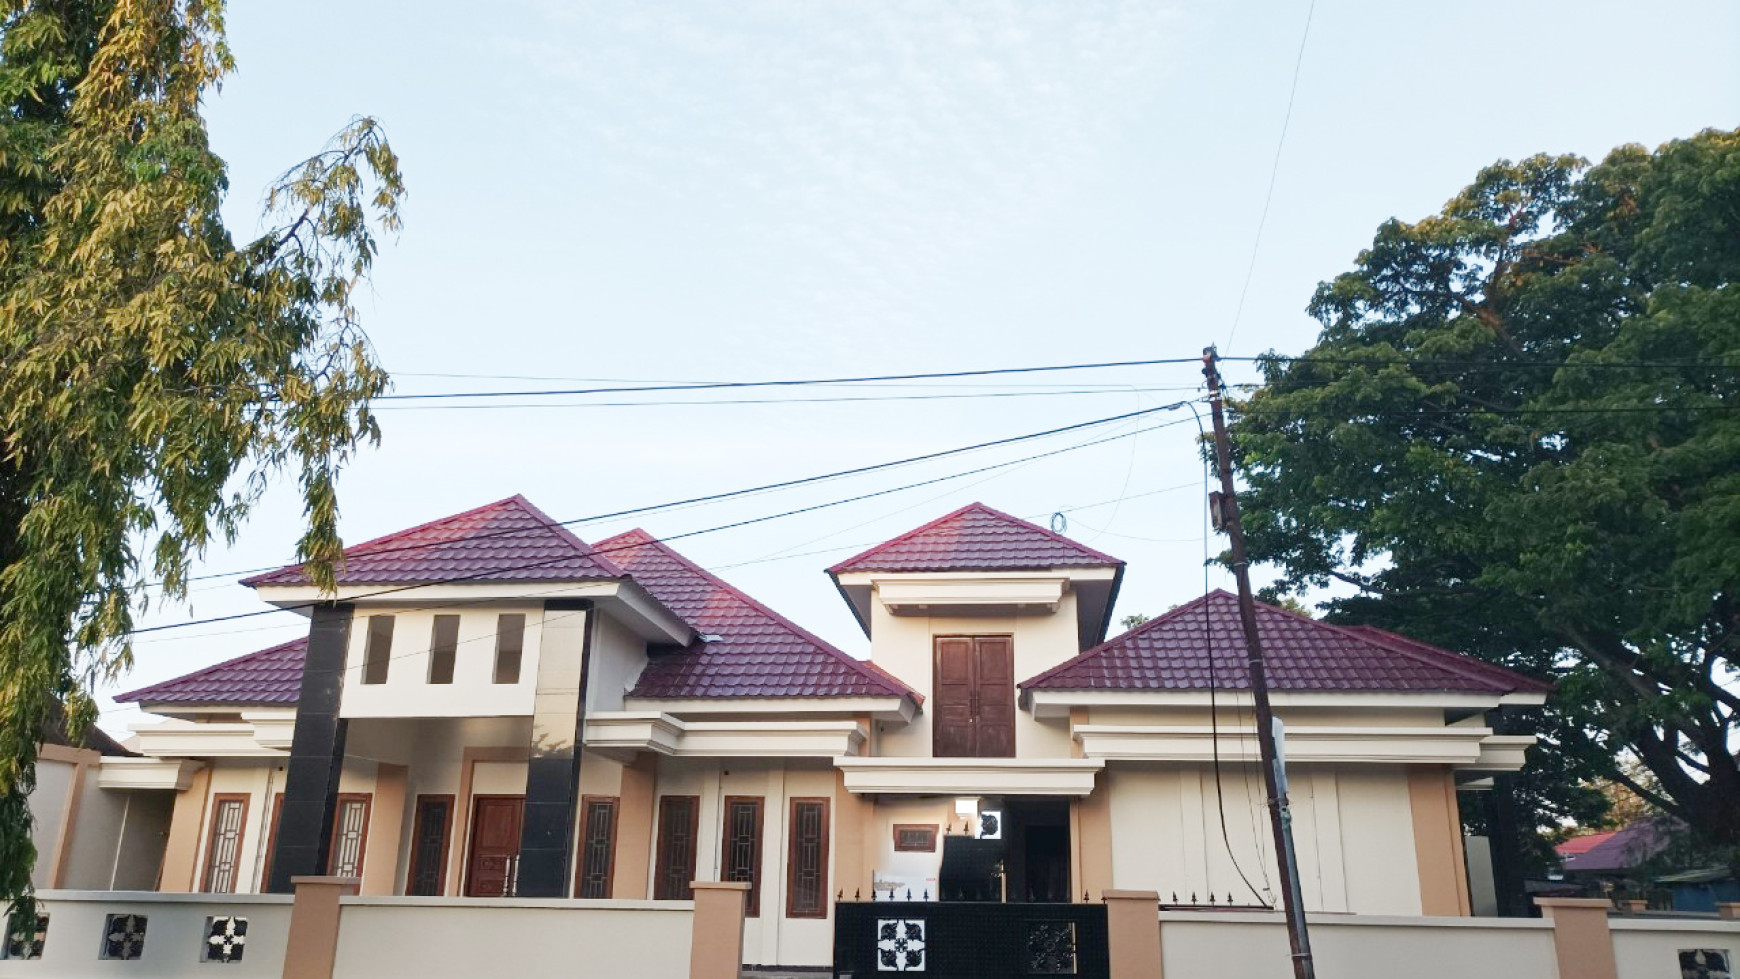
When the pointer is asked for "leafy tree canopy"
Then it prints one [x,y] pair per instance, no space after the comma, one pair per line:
[1518,435]
[154,373]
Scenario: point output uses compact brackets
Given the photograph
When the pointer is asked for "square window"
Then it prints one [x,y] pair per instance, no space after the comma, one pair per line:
[23,941]
[225,940]
[123,936]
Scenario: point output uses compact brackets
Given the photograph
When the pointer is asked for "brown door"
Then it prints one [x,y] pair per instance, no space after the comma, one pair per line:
[974,697]
[495,845]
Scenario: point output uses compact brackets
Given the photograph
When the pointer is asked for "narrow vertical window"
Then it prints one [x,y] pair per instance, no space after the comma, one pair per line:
[428,876]
[350,828]
[228,815]
[678,821]
[510,638]
[597,847]
[807,863]
[443,648]
[742,844]
[378,653]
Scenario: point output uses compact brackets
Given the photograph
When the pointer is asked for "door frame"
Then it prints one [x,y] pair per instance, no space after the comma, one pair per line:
[471,836]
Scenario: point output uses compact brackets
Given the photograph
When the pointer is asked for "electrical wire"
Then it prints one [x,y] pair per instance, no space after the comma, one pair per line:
[1213,684]
[727,526]
[1274,171]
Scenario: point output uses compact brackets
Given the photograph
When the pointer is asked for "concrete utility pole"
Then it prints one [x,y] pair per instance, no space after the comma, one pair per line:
[1226,517]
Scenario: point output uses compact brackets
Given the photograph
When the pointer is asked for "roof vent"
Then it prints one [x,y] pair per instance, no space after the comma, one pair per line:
[712,637]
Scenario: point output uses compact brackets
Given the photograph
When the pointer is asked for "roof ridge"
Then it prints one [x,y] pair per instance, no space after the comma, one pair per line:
[862,667]
[371,547]
[134,696]
[981,507]
[1425,652]
[1100,650]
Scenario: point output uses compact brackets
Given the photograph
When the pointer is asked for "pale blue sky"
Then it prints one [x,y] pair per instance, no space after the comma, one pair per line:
[795,188]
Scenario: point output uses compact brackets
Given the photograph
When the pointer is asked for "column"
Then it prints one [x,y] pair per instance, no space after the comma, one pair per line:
[553,764]
[316,753]
[636,813]
[1582,940]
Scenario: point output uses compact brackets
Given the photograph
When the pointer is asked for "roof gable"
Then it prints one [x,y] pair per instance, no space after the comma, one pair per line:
[508,540]
[747,649]
[269,676]
[976,538]
[1201,645]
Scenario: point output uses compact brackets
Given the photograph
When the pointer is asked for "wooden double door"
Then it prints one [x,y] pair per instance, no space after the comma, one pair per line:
[974,693]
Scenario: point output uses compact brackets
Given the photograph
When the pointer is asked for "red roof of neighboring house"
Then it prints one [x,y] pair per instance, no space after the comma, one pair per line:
[1619,850]
[1583,844]
[270,676]
[1173,652]
[976,538]
[747,649]
[509,540]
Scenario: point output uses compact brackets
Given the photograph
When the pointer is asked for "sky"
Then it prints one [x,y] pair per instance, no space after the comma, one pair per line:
[618,192]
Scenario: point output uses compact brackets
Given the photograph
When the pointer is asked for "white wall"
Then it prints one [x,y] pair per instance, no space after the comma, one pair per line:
[473,692]
[1353,830]
[1648,948]
[903,645]
[436,938]
[618,656]
[47,810]
[174,933]
[1254,946]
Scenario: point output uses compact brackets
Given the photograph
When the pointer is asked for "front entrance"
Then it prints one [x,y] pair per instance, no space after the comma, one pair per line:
[492,864]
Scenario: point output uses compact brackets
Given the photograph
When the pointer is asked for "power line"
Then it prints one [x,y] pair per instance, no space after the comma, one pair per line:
[693,533]
[1274,171]
[715,385]
[764,488]
[781,401]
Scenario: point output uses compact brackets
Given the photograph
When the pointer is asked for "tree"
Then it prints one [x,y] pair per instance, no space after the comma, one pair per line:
[1132,620]
[1518,435]
[154,374]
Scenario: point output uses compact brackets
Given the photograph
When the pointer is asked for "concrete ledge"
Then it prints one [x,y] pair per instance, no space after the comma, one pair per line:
[162,897]
[558,903]
[1349,920]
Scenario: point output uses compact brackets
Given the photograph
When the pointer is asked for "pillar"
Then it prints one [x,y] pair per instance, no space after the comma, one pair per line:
[1581,938]
[1092,825]
[553,763]
[386,825]
[1438,841]
[311,948]
[186,823]
[316,752]
[634,827]
[1728,910]
[1133,934]
[716,948]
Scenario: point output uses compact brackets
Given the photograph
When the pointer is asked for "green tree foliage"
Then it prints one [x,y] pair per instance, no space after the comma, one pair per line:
[153,372]
[1484,444]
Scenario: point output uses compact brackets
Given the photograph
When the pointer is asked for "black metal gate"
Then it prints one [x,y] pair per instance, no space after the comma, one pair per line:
[969,940]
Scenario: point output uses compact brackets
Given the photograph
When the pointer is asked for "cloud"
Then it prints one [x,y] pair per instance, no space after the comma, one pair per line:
[886,143]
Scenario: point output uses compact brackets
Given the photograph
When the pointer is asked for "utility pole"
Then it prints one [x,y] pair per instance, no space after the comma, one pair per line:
[1226,517]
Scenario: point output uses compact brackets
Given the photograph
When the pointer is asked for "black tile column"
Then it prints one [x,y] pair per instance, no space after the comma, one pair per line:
[316,753]
[553,765]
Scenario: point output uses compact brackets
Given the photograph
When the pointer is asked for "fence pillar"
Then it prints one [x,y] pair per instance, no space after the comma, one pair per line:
[1582,940]
[1133,933]
[716,948]
[1728,910]
[313,943]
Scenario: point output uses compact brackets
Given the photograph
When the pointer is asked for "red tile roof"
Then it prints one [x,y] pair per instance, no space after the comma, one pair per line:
[1583,844]
[509,540]
[747,649]
[976,538]
[1172,652]
[270,676]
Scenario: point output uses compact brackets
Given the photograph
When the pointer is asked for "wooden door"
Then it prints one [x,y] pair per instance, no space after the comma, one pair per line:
[428,874]
[679,824]
[492,867]
[974,697]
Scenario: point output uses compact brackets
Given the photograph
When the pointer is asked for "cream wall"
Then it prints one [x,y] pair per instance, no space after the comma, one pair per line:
[903,645]
[1352,828]
[473,692]
[770,938]
[54,779]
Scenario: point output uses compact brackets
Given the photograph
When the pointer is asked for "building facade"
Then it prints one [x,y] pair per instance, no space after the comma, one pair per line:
[487,705]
